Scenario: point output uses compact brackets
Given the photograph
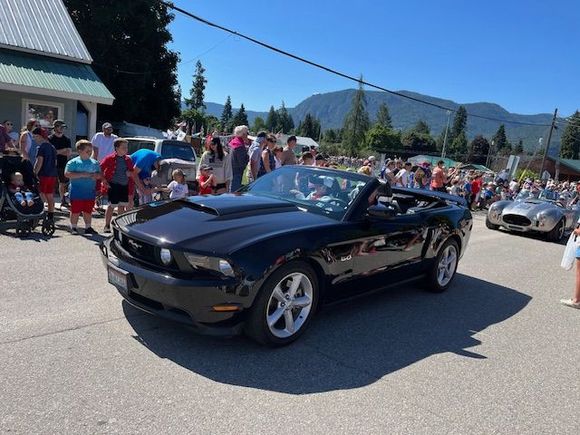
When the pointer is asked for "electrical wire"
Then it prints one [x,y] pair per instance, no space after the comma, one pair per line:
[336,72]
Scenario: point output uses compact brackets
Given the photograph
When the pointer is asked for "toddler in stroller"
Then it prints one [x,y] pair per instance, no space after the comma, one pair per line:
[20,205]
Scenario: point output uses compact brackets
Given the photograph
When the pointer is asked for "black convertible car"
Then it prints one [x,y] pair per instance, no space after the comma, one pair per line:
[265,259]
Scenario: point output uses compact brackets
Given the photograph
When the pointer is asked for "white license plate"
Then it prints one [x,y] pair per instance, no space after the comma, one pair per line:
[118,279]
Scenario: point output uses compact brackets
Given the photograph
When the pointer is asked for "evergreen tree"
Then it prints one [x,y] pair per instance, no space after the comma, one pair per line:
[310,127]
[478,150]
[356,123]
[330,136]
[459,126]
[123,43]
[285,121]
[500,142]
[519,147]
[571,138]
[417,142]
[422,128]
[227,114]
[259,124]
[241,117]
[384,117]
[272,120]
[458,147]
[197,92]
[383,140]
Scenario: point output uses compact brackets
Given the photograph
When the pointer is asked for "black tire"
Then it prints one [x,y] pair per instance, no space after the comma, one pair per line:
[556,234]
[433,283]
[491,226]
[48,228]
[256,325]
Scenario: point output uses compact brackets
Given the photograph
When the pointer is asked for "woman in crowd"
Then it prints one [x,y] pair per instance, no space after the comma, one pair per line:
[239,155]
[221,164]
[268,162]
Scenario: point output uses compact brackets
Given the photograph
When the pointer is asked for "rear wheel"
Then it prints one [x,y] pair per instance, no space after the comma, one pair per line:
[491,226]
[557,232]
[443,271]
[285,305]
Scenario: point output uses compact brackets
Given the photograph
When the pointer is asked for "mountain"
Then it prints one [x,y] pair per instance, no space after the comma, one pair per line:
[332,107]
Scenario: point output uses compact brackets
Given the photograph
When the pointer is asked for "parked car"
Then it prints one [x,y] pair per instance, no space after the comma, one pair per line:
[541,212]
[265,259]
[176,154]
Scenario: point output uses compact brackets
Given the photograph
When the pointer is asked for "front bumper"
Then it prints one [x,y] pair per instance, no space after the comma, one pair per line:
[188,302]
[534,226]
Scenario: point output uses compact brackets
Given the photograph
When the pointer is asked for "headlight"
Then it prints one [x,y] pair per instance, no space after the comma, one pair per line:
[210,263]
[165,256]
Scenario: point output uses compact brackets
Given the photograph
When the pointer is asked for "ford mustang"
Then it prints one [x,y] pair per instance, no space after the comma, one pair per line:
[542,213]
[265,260]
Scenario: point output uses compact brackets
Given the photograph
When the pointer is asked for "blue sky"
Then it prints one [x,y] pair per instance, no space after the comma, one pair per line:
[521,54]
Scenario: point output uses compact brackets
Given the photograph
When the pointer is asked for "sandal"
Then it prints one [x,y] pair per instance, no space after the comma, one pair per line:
[570,303]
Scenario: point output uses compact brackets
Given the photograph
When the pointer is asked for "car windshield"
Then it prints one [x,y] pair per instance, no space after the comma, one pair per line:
[177,150]
[316,190]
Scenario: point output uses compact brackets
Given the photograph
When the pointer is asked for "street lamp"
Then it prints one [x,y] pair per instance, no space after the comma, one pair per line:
[446,131]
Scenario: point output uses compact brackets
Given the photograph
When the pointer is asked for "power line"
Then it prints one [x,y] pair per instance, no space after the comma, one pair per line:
[336,72]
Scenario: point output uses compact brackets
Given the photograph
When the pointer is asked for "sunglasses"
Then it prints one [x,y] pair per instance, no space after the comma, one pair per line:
[9,123]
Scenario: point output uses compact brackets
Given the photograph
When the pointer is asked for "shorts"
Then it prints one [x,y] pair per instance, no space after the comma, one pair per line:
[578,252]
[82,206]
[60,166]
[47,184]
[118,194]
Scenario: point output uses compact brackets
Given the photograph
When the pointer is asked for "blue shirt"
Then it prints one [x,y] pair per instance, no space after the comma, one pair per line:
[48,154]
[144,160]
[82,188]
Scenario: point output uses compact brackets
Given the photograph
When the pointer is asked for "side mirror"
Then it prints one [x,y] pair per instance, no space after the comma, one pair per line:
[382,211]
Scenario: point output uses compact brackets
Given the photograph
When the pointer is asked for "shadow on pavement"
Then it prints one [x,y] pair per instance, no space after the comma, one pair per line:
[347,346]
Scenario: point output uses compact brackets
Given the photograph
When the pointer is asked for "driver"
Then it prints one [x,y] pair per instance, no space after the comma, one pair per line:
[321,186]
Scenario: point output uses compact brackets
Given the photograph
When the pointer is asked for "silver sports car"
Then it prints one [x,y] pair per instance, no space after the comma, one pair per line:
[542,212]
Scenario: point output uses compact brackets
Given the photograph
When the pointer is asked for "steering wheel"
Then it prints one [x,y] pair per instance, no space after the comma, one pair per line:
[337,202]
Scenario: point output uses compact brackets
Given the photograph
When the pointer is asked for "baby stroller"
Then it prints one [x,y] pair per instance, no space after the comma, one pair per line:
[14,215]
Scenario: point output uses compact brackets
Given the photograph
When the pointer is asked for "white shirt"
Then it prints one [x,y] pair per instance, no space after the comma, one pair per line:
[104,144]
[402,178]
[178,190]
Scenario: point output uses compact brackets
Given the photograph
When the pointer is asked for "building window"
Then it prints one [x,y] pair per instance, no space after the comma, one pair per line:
[44,111]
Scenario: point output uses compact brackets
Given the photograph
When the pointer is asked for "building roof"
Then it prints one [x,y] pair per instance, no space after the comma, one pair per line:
[40,75]
[570,164]
[42,27]
[421,158]
[301,141]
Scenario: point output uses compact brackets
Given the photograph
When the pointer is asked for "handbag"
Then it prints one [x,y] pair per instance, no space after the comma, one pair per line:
[569,253]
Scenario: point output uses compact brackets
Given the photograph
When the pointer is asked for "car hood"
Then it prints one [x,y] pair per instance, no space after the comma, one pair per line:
[528,207]
[216,224]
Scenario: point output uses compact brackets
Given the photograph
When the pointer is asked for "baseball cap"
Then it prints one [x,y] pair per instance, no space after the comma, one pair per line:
[59,123]
[41,131]
[107,125]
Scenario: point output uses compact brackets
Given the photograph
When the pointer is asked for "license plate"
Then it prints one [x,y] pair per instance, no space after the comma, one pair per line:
[119,279]
[513,227]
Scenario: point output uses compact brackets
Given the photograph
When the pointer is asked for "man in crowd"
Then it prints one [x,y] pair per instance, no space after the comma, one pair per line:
[45,169]
[103,142]
[388,172]
[255,155]
[402,179]
[288,157]
[439,178]
[63,151]
[5,139]
[9,125]
[144,162]
[239,155]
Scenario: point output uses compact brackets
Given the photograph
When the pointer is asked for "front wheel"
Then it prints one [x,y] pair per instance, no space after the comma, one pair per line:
[285,305]
[443,271]
[491,226]
[556,234]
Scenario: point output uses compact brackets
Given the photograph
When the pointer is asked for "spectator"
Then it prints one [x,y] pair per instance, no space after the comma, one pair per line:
[45,169]
[221,164]
[178,187]
[267,162]
[5,139]
[103,142]
[402,177]
[288,157]
[206,180]
[320,160]
[239,155]
[278,151]
[28,147]
[439,178]
[388,172]
[255,154]
[144,162]
[17,188]
[63,151]
[119,172]
[83,172]
[9,125]
[307,159]
[574,302]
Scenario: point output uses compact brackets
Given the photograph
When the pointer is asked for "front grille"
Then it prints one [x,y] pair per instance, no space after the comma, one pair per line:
[516,219]
[140,250]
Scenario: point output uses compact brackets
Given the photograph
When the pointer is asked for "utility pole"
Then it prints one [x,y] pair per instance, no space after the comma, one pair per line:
[489,151]
[548,144]
[446,131]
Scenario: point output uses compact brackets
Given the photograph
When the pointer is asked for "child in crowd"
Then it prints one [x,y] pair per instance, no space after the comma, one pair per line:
[17,188]
[145,198]
[206,180]
[178,187]
[117,170]
[83,173]
[45,169]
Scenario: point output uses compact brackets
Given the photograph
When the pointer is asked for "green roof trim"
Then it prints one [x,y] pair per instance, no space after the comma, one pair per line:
[22,72]
[570,163]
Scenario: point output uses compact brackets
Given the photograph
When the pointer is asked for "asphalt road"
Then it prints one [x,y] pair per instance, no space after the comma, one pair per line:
[496,353]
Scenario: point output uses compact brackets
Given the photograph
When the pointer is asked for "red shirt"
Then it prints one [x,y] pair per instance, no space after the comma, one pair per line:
[208,190]
[476,186]
[109,164]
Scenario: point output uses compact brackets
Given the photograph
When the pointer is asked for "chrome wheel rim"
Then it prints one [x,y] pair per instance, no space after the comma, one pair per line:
[561,230]
[289,305]
[447,265]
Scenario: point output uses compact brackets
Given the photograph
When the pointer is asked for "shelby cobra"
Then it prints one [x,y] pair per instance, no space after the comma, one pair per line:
[263,260]
[541,212]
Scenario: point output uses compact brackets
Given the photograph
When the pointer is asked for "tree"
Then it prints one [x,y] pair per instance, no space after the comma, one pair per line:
[384,117]
[241,117]
[148,94]
[285,121]
[259,124]
[478,150]
[422,128]
[419,142]
[227,114]
[519,147]
[459,126]
[330,136]
[383,140]
[197,91]
[272,119]
[458,147]
[571,138]
[356,123]
[310,127]
[500,141]
[194,118]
